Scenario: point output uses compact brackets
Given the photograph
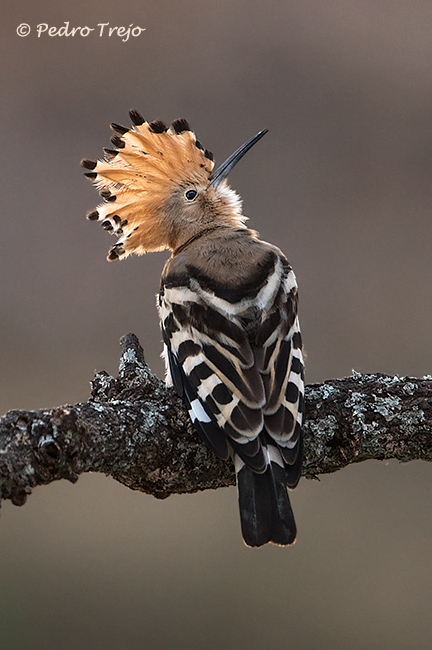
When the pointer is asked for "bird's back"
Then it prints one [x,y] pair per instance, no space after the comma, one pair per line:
[228,307]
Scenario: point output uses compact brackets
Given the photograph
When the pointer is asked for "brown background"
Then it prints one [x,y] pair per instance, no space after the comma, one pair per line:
[342,183]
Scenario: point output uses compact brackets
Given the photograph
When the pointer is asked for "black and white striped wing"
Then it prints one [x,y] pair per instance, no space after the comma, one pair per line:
[280,341]
[247,389]
[212,366]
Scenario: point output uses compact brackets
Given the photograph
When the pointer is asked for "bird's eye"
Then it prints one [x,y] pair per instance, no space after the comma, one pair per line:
[191,194]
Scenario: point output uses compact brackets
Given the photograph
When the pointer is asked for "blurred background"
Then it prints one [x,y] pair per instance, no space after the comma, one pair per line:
[342,183]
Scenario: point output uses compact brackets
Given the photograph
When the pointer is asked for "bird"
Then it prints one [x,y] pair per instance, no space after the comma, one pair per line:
[228,307]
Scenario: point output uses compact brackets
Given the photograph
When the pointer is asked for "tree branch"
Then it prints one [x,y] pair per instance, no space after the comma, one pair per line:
[137,431]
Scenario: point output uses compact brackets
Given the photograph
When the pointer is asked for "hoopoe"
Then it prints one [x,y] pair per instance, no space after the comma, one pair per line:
[227,306]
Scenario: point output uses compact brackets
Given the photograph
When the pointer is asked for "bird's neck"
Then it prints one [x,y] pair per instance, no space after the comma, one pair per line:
[201,233]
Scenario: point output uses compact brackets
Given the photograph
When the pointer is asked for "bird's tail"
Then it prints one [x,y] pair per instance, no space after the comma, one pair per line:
[265,508]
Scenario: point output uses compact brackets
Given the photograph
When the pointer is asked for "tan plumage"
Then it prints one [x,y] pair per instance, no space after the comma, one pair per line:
[228,309]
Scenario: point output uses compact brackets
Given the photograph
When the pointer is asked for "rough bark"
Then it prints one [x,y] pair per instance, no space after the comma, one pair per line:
[137,431]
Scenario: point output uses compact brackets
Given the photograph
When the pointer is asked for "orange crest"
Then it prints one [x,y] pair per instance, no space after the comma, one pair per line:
[136,178]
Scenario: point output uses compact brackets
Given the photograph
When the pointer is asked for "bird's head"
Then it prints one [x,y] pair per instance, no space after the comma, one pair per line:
[160,189]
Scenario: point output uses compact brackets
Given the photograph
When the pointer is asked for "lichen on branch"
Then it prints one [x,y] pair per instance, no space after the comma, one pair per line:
[136,430]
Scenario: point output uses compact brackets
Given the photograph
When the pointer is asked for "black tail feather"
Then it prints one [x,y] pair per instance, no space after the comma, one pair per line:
[265,509]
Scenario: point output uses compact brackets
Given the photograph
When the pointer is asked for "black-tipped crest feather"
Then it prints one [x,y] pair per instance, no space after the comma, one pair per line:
[88,164]
[158,126]
[111,153]
[119,128]
[136,117]
[117,142]
[180,125]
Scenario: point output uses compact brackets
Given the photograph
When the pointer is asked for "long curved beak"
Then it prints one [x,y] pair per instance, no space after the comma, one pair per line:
[222,172]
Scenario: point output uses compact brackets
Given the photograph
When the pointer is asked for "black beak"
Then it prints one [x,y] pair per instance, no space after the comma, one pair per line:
[222,172]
